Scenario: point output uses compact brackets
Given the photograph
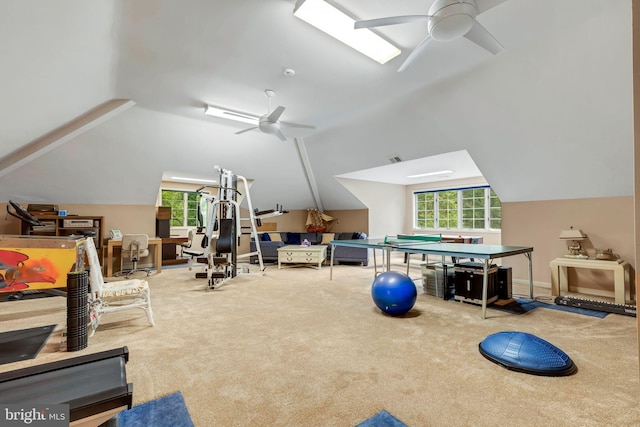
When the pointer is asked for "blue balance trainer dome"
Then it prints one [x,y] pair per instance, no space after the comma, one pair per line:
[523,352]
[394,293]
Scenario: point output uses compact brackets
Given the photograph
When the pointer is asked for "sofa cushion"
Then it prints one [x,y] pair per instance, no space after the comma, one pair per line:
[345,236]
[275,237]
[311,237]
[327,238]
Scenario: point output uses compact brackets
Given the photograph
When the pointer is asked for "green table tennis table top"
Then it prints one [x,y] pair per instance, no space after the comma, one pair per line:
[432,244]
[392,241]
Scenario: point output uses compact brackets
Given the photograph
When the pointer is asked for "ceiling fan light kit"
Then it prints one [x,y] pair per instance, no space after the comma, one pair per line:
[451,20]
[446,20]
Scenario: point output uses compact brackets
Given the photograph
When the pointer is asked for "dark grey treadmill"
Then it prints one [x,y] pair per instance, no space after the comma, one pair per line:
[89,384]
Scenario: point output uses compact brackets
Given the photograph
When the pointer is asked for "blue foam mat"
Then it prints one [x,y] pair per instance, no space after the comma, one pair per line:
[577,310]
[167,411]
[382,419]
[523,305]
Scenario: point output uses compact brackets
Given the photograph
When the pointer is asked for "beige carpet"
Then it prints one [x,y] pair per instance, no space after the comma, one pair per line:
[292,348]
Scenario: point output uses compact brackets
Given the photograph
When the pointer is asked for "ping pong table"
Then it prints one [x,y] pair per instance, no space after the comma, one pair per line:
[387,244]
[433,246]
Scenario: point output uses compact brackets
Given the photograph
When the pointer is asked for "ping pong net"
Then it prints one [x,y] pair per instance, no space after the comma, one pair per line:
[411,239]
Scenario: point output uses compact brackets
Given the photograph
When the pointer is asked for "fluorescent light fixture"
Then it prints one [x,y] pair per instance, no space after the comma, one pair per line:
[337,24]
[225,113]
[180,178]
[421,175]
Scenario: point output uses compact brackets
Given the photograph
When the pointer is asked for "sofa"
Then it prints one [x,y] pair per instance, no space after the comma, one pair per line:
[271,241]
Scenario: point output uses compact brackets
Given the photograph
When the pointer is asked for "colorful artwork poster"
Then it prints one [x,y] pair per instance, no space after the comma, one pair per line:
[35,268]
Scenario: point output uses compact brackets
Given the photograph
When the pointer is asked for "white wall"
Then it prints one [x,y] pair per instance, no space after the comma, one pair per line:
[386,203]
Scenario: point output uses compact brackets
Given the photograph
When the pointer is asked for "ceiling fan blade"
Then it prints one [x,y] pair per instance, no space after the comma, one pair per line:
[480,36]
[246,130]
[296,125]
[275,114]
[393,20]
[280,135]
[415,53]
[484,5]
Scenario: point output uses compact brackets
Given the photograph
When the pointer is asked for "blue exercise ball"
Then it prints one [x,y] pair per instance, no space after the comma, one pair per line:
[394,293]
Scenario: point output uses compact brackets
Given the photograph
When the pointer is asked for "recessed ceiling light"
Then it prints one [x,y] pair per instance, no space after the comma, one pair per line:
[339,25]
[180,178]
[421,175]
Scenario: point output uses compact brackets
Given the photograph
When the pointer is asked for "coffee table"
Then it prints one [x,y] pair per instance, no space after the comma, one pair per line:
[302,255]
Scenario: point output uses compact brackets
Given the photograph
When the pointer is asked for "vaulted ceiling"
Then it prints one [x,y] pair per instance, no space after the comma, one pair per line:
[549,117]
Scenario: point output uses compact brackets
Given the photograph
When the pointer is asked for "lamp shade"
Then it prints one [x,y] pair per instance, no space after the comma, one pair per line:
[572,234]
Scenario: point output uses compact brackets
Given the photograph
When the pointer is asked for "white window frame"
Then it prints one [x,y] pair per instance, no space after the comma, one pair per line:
[487,210]
[184,192]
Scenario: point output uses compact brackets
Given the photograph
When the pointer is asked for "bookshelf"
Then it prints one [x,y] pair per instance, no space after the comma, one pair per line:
[55,225]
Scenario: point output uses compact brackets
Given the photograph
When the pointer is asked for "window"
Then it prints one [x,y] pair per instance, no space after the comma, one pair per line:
[425,210]
[184,207]
[447,202]
[475,208]
[495,211]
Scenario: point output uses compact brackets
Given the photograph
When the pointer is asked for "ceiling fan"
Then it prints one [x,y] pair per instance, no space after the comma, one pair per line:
[447,20]
[268,123]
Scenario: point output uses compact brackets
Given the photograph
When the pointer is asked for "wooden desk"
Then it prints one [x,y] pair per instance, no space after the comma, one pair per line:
[463,239]
[154,243]
[560,280]
[170,250]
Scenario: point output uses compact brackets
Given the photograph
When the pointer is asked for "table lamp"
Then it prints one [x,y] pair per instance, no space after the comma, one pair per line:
[573,238]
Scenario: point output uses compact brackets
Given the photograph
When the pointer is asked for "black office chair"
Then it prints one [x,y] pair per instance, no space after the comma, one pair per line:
[195,246]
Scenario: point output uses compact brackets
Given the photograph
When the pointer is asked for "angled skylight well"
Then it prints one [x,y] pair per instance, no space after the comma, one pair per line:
[340,25]
[439,167]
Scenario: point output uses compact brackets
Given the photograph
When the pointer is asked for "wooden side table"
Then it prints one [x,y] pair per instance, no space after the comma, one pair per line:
[621,274]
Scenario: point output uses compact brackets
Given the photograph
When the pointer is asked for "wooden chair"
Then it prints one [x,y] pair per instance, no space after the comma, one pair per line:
[108,297]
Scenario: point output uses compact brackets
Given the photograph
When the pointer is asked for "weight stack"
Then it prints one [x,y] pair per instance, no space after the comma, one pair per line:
[77,310]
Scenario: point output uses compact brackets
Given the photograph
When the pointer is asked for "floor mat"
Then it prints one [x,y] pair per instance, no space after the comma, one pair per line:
[23,344]
[167,411]
[382,419]
[522,305]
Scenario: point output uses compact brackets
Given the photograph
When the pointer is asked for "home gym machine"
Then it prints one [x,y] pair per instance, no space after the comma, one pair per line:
[224,227]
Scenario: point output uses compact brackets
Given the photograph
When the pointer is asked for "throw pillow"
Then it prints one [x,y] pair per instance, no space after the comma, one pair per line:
[294,239]
[275,237]
[327,238]
[265,237]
